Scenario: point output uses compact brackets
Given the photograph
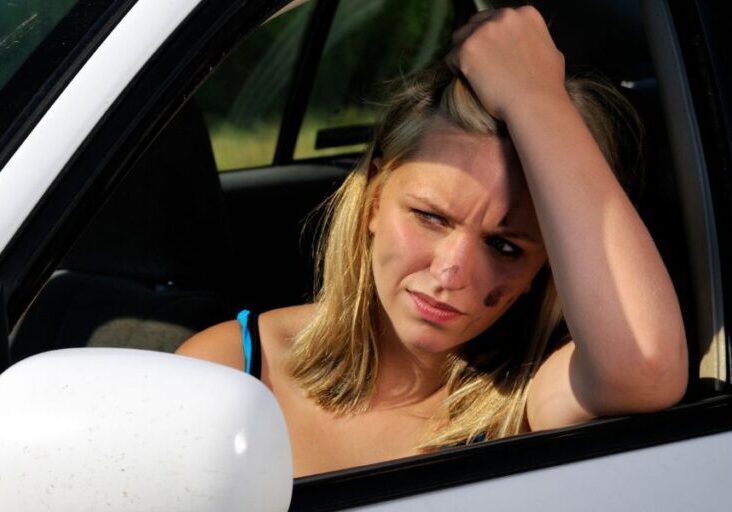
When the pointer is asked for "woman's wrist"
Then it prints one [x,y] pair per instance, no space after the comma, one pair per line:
[542,105]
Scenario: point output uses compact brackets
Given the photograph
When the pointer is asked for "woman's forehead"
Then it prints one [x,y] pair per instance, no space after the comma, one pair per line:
[444,142]
[450,156]
[468,176]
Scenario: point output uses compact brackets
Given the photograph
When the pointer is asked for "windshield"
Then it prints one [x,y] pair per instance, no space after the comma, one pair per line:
[42,45]
[23,26]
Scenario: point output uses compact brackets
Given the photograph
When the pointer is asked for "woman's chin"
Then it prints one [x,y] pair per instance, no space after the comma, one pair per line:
[427,340]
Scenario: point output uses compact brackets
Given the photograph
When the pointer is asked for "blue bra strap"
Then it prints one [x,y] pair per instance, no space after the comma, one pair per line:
[246,339]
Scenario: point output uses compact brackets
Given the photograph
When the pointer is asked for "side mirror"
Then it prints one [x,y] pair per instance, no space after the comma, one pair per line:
[132,430]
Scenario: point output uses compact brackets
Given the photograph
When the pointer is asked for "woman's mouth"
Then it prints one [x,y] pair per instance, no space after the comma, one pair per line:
[433,310]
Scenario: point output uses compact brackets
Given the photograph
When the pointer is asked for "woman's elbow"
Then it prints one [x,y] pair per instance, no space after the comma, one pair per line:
[668,374]
[639,381]
[656,380]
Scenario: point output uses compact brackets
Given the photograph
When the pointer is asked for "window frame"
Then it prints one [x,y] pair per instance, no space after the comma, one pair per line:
[713,113]
[673,29]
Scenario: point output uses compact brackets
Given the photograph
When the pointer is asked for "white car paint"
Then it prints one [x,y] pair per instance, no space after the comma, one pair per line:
[47,149]
[678,477]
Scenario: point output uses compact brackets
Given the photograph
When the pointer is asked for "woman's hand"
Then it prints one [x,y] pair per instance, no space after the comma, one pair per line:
[508,57]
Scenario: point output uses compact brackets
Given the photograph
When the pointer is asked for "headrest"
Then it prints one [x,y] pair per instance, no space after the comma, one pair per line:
[165,221]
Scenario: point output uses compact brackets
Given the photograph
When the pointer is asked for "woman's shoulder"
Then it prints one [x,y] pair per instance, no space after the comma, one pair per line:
[222,343]
[219,344]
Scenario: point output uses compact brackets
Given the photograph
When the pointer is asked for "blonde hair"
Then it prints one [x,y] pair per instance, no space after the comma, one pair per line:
[335,357]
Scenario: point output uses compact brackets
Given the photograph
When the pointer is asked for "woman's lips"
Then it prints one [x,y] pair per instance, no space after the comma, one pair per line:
[433,310]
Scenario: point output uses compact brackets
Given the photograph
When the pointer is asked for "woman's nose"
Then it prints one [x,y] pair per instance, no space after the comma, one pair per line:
[453,261]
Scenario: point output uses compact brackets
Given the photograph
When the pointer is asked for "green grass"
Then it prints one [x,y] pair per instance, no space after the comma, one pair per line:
[236,148]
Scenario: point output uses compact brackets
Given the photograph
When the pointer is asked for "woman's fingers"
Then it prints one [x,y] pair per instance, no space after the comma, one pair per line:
[507,54]
[461,34]
[482,15]
[475,20]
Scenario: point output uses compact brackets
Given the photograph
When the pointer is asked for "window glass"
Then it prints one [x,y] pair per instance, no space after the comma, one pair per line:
[41,47]
[244,99]
[370,42]
[23,26]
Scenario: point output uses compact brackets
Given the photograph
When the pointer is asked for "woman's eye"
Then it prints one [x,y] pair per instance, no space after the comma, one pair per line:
[430,218]
[503,246]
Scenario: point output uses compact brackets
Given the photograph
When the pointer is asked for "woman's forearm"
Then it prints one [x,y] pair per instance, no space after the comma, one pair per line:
[629,349]
[617,297]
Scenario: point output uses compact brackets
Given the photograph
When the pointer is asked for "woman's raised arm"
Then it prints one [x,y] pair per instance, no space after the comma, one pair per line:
[628,352]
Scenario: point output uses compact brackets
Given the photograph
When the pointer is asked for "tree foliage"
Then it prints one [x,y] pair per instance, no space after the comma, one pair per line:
[370,42]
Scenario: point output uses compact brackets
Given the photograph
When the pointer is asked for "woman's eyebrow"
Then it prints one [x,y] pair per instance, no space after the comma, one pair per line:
[504,231]
[430,203]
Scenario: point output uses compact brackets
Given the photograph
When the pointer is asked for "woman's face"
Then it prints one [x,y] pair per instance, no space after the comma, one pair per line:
[455,239]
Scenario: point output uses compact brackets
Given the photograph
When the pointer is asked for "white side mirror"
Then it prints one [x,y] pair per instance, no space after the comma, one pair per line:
[132,430]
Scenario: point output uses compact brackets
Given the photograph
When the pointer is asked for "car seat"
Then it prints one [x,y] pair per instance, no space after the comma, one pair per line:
[151,268]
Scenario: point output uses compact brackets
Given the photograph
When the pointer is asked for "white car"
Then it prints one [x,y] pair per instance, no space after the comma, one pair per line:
[157,159]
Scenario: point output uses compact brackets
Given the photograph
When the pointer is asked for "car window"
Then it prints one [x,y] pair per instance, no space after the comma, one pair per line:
[243,101]
[358,59]
[23,25]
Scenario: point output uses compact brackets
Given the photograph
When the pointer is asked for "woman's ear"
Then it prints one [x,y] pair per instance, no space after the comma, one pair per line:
[375,166]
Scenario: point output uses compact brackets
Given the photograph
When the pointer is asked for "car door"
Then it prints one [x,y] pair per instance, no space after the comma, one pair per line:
[104,112]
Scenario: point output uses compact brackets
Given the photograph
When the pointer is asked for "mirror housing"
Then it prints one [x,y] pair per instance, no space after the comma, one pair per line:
[131,430]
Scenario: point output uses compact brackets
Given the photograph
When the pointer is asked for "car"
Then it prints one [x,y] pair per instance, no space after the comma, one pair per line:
[159,163]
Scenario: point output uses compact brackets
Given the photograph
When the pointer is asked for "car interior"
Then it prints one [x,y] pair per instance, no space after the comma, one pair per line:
[182,244]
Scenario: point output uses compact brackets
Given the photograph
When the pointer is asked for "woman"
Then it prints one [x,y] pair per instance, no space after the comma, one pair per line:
[438,320]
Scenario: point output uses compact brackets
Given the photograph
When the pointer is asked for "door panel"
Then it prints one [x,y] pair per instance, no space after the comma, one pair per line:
[683,476]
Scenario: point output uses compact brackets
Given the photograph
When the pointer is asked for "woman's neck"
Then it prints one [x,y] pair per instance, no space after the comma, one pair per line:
[405,377]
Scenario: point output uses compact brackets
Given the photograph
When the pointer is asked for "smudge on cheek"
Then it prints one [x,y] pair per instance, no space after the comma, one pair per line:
[494,297]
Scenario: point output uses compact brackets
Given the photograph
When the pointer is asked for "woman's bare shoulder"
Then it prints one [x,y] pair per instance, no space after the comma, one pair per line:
[219,344]
[222,343]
